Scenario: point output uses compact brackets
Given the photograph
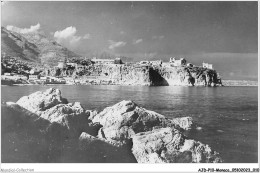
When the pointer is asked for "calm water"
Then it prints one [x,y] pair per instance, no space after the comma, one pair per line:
[227,116]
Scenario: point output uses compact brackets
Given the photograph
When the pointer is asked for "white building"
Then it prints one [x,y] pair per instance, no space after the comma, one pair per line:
[118,61]
[157,62]
[43,78]
[7,74]
[207,65]
[102,61]
[179,62]
[33,77]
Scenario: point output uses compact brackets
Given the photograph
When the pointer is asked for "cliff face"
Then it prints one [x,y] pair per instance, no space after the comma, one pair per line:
[157,75]
[183,76]
[128,75]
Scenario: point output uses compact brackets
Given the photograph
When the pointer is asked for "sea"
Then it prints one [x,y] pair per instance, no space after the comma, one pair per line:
[225,118]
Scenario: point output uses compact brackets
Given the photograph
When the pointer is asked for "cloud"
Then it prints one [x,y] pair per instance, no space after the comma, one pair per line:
[160,37]
[137,41]
[113,44]
[68,36]
[33,28]
[87,36]
[68,32]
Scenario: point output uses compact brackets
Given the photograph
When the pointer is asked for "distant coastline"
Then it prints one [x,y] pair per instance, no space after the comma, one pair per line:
[239,83]
[227,83]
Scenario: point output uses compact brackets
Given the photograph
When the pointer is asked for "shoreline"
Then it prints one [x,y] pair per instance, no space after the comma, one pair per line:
[226,83]
[132,85]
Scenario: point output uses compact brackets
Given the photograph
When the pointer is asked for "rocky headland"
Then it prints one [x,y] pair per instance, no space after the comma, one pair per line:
[44,127]
[122,74]
[148,75]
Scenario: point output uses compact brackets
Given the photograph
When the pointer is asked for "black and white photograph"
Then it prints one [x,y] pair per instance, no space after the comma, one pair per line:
[167,83]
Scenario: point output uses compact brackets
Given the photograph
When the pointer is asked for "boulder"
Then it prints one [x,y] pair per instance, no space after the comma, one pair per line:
[20,117]
[123,120]
[42,100]
[50,105]
[27,137]
[184,123]
[71,116]
[168,145]
[96,150]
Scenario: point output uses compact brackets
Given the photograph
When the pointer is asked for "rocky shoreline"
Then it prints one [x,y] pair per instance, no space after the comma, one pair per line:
[44,127]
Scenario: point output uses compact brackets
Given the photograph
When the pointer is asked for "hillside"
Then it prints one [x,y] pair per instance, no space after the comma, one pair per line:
[15,45]
[33,46]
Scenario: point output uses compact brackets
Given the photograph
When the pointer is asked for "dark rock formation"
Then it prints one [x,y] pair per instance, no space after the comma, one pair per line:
[100,150]
[28,138]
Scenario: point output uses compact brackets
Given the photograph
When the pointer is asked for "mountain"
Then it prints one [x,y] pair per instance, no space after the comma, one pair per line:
[15,45]
[33,46]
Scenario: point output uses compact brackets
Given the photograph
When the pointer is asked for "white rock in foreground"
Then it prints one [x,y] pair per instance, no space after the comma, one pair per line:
[71,116]
[168,145]
[51,106]
[42,100]
[125,119]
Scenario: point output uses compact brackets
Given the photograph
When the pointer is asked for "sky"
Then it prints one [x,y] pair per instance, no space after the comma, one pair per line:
[222,33]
